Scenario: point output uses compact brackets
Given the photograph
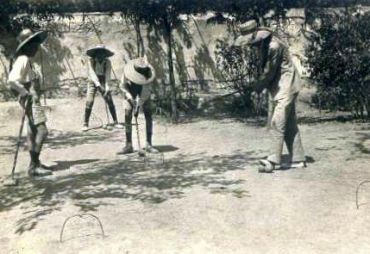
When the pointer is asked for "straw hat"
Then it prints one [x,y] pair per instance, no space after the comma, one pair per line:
[259,36]
[252,34]
[99,49]
[243,40]
[248,27]
[135,69]
[27,36]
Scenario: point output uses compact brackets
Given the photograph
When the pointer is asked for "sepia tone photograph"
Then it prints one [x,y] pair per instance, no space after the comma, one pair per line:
[184,126]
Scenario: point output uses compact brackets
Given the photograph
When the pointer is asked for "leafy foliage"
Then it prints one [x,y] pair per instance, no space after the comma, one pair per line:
[164,16]
[339,61]
[239,66]
[15,15]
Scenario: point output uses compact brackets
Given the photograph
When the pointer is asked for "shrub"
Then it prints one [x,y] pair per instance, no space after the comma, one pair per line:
[238,66]
[339,61]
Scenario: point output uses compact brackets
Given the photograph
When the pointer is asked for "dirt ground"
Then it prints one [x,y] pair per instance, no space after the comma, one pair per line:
[207,196]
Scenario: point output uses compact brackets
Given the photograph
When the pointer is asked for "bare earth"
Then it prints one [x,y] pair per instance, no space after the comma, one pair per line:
[207,197]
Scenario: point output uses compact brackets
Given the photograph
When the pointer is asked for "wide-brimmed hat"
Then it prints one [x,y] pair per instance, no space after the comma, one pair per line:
[99,49]
[252,34]
[248,27]
[260,36]
[243,40]
[135,69]
[27,36]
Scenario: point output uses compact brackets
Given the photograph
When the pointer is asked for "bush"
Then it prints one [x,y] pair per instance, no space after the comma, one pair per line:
[339,61]
[238,66]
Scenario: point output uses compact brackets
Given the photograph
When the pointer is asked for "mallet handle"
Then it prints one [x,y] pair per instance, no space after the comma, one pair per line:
[137,133]
[19,139]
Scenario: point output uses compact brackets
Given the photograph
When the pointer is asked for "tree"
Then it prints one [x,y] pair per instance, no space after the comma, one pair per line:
[239,66]
[162,16]
[339,61]
[16,15]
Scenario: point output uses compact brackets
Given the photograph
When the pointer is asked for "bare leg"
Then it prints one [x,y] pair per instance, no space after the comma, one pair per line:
[149,127]
[112,109]
[128,125]
[91,91]
[41,135]
[31,141]
[148,122]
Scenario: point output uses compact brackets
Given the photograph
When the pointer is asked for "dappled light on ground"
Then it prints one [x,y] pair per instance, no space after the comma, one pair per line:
[88,183]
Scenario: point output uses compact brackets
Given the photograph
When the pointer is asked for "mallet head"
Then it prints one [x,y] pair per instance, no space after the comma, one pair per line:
[141,153]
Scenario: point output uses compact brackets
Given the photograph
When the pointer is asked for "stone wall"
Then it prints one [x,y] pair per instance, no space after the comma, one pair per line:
[63,58]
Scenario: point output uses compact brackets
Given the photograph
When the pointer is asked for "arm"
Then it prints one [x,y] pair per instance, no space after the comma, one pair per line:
[18,87]
[124,89]
[18,75]
[92,74]
[269,72]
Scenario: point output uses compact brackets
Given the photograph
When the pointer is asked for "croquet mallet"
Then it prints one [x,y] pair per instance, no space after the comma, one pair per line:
[136,115]
[12,181]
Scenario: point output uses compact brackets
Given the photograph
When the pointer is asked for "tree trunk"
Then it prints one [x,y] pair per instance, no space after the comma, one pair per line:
[139,39]
[168,29]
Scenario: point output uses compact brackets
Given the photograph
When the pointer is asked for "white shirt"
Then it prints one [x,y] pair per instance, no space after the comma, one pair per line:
[141,98]
[99,71]
[22,70]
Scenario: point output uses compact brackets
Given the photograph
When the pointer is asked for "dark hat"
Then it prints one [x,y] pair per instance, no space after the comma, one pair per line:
[260,36]
[99,49]
[248,27]
[27,36]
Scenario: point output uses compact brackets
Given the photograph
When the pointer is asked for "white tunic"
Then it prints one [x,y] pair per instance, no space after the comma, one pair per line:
[22,71]
[141,98]
[103,68]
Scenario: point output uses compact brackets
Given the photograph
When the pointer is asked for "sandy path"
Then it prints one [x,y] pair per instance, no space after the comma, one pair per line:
[206,198]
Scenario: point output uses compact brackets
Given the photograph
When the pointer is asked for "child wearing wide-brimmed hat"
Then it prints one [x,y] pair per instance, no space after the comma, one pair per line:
[100,68]
[136,81]
[25,84]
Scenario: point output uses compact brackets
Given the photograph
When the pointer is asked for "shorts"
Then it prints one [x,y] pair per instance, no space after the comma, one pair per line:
[36,113]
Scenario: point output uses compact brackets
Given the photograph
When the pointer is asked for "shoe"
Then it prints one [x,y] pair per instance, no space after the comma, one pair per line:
[36,171]
[45,167]
[150,149]
[127,150]
[107,127]
[118,126]
[267,166]
[85,128]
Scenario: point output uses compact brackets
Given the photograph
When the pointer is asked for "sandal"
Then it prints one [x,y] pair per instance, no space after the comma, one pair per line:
[150,149]
[126,150]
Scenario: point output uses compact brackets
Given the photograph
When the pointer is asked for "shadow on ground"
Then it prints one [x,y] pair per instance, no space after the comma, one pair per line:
[8,144]
[63,165]
[58,140]
[89,184]
[361,146]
